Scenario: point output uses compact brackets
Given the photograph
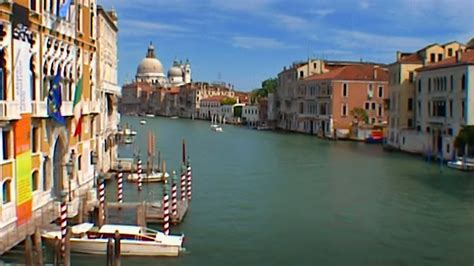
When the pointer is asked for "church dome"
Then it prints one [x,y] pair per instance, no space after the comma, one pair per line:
[175,71]
[150,64]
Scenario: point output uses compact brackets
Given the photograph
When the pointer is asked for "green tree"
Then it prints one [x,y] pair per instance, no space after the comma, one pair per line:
[238,111]
[360,114]
[228,101]
[465,139]
[270,85]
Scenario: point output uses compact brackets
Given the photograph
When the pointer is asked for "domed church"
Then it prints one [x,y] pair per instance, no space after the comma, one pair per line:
[150,70]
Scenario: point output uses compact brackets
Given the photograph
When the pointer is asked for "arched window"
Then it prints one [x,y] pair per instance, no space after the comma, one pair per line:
[32,78]
[79,162]
[45,174]
[35,180]
[6,191]
[463,82]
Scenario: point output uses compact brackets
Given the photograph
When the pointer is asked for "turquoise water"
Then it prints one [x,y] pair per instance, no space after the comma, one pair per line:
[265,198]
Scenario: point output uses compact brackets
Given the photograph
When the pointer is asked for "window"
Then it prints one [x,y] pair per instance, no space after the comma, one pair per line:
[79,163]
[440,57]
[373,120]
[367,106]
[380,91]
[432,58]
[301,74]
[6,144]
[451,83]
[463,109]
[418,128]
[2,76]
[374,106]
[419,86]
[450,52]
[345,89]
[463,82]
[380,111]
[410,122]
[411,77]
[315,65]
[429,108]
[419,108]
[79,19]
[344,110]
[370,91]
[410,104]
[35,180]
[6,191]
[33,5]
[45,174]
[450,108]
[448,148]
[429,85]
[92,24]
[34,139]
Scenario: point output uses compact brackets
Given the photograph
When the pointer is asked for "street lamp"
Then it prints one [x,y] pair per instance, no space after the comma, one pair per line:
[94,158]
[69,171]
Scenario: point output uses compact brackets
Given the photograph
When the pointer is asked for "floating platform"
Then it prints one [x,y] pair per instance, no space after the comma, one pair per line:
[146,212]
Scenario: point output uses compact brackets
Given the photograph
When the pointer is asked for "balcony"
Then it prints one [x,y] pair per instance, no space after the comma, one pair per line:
[94,107]
[58,24]
[9,110]
[66,109]
[111,88]
[40,109]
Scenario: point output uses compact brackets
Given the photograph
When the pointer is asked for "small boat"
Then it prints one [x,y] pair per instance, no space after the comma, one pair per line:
[129,132]
[216,128]
[263,128]
[135,240]
[375,137]
[342,133]
[143,122]
[128,140]
[174,117]
[153,177]
[150,115]
[462,164]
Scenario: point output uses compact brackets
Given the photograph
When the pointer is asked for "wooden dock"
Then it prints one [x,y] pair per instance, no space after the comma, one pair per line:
[146,212]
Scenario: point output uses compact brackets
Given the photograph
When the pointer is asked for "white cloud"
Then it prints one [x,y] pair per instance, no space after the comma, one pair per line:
[247,42]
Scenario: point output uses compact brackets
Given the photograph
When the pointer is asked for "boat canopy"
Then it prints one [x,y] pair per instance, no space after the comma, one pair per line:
[81,228]
[122,229]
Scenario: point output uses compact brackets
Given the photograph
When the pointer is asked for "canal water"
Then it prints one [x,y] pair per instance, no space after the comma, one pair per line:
[266,198]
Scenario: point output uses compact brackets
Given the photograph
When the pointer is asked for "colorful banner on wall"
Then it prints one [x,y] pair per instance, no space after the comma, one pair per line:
[22,39]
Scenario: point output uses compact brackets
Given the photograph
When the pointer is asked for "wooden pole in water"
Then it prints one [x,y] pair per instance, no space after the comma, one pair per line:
[38,247]
[183,183]
[139,173]
[166,211]
[120,184]
[189,176]
[174,195]
[117,248]
[57,251]
[28,251]
[67,253]
[184,151]
[110,252]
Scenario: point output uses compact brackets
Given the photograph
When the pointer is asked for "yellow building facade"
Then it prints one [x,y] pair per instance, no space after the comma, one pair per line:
[39,41]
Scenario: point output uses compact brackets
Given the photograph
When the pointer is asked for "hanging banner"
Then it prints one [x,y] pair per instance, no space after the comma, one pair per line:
[22,39]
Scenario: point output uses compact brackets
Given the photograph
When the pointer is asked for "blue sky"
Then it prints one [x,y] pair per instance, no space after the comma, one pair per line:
[246,41]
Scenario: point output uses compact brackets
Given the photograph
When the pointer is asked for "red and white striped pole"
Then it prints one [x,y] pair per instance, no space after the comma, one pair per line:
[63,221]
[166,212]
[139,173]
[102,198]
[120,187]
[174,195]
[183,183]
[189,176]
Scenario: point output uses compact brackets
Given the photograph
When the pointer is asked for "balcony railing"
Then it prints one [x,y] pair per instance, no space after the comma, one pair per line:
[9,110]
[94,107]
[40,109]
[66,109]
[58,24]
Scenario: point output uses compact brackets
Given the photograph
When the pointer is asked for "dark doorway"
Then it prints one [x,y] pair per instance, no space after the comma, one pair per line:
[58,156]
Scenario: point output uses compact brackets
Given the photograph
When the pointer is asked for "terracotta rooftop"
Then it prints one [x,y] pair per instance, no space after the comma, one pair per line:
[142,85]
[214,98]
[467,58]
[354,72]
[414,58]
[174,90]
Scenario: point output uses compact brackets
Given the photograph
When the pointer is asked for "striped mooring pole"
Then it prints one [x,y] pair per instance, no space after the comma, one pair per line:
[102,198]
[63,221]
[139,173]
[189,176]
[120,187]
[166,211]
[174,194]
[183,183]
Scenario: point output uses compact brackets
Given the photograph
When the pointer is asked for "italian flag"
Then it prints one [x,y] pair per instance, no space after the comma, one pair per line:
[78,108]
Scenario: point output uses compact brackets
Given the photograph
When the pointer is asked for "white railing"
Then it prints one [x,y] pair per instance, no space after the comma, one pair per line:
[111,88]
[94,107]
[66,109]
[40,109]
[58,24]
[9,110]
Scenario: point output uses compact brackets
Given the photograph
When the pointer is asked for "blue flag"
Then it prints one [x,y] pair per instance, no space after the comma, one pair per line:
[64,9]
[54,99]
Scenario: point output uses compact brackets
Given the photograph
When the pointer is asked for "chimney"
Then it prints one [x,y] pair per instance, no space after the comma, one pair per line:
[375,72]
[399,55]
[459,56]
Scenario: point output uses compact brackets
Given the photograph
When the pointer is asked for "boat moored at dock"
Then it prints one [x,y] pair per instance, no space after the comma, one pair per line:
[135,240]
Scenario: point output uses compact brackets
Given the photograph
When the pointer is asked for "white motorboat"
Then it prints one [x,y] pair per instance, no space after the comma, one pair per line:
[129,132]
[462,164]
[135,240]
[143,122]
[174,117]
[150,115]
[153,177]
[216,128]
